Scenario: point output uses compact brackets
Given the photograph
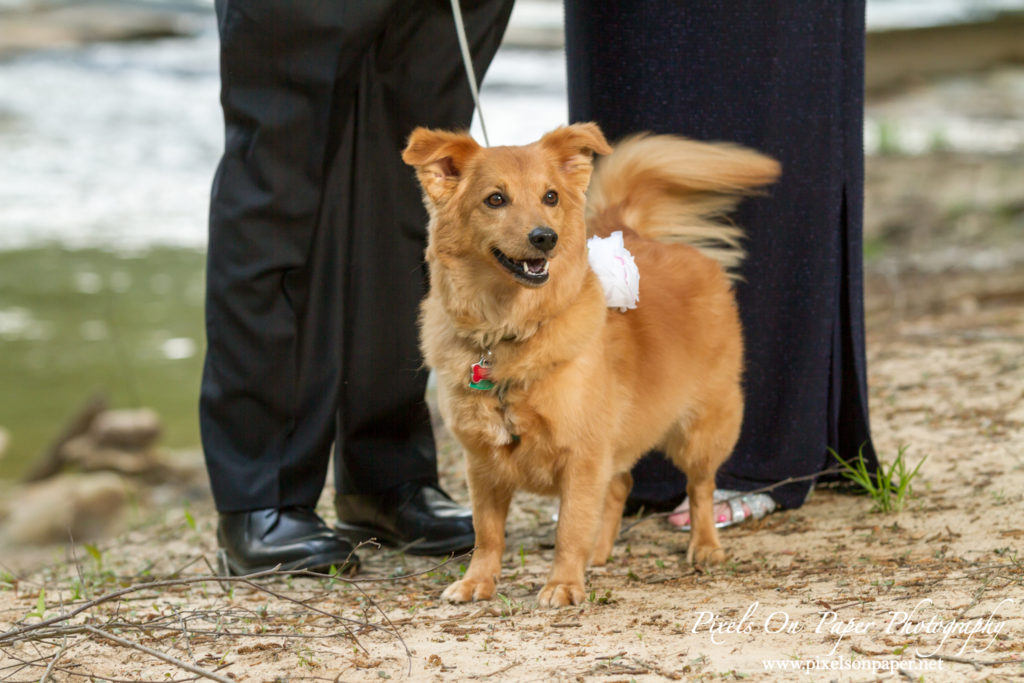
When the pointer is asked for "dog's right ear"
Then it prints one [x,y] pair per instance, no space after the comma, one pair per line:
[439,157]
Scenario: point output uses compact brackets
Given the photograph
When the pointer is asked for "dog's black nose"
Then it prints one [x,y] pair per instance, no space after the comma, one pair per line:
[543,238]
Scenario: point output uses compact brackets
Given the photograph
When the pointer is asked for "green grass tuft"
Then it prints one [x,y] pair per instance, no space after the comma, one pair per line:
[889,487]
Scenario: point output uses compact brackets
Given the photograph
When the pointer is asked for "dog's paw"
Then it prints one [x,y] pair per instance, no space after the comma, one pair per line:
[561,595]
[466,590]
[704,555]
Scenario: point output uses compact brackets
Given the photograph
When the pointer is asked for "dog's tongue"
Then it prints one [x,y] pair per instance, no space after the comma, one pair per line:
[536,265]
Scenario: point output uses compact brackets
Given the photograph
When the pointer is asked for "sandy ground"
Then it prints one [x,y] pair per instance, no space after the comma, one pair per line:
[829,585]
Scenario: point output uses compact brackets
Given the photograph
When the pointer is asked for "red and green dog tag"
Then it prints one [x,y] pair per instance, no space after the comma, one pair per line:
[480,374]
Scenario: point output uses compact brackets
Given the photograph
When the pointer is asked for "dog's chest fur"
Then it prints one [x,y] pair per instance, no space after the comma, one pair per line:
[502,431]
[510,428]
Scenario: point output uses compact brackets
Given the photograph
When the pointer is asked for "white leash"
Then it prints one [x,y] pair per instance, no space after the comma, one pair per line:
[467,60]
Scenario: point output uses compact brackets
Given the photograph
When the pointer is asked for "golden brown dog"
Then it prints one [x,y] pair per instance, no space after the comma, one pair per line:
[547,388]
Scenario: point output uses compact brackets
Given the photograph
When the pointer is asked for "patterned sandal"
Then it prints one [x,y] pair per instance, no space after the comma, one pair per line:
[758,505]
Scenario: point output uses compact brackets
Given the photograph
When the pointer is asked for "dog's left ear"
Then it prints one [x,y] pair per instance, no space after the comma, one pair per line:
[574,148]
[439,157]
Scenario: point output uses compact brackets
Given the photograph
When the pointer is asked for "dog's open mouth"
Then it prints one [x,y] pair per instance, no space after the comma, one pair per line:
[531,271]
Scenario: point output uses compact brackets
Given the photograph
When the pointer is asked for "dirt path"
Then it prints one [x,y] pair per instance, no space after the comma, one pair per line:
[831,583]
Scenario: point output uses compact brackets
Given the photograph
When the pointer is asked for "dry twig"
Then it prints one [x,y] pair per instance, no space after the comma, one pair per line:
[57,627]
[199,671]
[976,663]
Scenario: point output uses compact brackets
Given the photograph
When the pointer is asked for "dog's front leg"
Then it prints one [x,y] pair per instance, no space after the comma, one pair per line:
[611,521]
[579,516]
[490,508]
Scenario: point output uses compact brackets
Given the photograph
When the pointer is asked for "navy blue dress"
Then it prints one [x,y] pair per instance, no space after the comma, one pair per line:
[785,78]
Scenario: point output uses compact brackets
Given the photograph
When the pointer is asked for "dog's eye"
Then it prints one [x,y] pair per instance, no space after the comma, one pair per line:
[495,200]
[551,198]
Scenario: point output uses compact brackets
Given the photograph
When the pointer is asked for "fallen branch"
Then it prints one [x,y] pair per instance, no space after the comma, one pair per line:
[100,633]
[20,664]
[56,626]
[976,663]
[53,661]
[91,677]
[14,634]
[32,631]
[602,657]
[499,671]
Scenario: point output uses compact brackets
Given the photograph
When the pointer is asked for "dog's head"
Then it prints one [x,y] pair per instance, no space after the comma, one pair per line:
[515,214]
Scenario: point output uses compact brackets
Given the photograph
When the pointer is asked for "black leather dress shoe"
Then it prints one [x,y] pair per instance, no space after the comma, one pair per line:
[419,518]
[295,538]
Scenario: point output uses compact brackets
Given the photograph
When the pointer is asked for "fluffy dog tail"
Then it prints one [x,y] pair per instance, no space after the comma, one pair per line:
[673,189]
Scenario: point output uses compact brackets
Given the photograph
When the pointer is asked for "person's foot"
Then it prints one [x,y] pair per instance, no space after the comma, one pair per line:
[419,518]
[731,507]
[294,538]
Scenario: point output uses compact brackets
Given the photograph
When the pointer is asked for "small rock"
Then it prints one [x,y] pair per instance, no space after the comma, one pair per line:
[85,455]
[80,506]
[126,429]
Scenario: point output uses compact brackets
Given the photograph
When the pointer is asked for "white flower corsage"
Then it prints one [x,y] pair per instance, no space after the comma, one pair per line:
[616,269]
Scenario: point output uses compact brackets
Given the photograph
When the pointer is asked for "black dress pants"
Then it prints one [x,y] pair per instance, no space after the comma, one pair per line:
[786,78]
[315,265]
